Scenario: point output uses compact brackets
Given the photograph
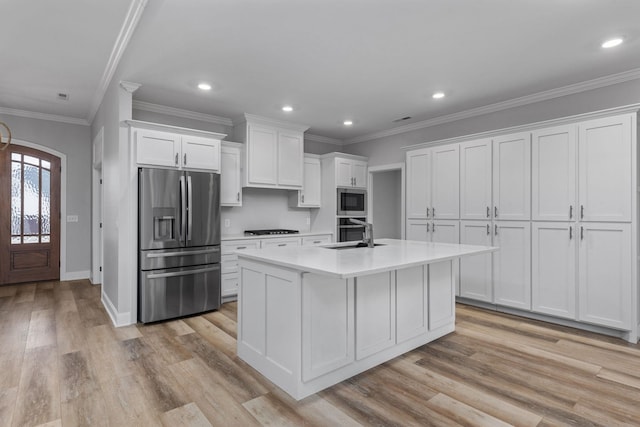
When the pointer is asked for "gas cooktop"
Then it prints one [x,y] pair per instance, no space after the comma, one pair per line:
[269,232]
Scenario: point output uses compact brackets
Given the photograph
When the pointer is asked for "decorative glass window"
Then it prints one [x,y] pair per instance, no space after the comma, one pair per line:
[30,199]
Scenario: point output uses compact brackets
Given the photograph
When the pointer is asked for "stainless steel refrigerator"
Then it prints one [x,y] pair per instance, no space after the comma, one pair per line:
[179,243]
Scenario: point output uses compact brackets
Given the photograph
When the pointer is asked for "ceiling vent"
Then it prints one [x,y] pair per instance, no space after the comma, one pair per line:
[402,119]
[63,96]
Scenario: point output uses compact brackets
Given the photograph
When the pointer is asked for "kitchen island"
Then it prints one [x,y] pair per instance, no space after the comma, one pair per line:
[310,317]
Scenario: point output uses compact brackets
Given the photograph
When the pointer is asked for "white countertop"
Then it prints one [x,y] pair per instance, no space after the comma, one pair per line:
[346,263]
[272,236]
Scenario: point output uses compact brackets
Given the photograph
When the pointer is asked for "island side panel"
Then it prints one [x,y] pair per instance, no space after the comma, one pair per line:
[442,305]
[375,313]
[269,319]
[412,303]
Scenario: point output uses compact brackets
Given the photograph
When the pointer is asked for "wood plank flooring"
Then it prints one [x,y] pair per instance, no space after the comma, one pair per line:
[62,363]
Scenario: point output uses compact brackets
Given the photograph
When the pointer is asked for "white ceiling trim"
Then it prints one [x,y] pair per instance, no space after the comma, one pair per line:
[43,116]
[179,112]
[322,139]
[499,106]
[128,27]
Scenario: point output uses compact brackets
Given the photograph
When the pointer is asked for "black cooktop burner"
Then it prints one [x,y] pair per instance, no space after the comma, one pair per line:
[269,232]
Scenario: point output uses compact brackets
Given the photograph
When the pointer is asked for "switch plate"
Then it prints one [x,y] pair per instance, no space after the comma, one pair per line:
[72,218]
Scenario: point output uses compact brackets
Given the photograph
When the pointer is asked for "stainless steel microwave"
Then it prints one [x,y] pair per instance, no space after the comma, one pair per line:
[352,202]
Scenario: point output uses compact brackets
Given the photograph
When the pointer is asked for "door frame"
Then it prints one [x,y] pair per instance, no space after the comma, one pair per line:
[387,168]
[97,211]
[63,200]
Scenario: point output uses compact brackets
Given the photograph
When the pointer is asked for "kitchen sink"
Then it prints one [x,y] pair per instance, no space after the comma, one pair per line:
[352,246]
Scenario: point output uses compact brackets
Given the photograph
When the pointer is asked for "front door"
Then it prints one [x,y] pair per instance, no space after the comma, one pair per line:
[30,219]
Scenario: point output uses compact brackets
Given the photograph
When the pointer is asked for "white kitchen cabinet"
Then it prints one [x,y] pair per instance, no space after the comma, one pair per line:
[351,173]
[604,278]
[605,169]
[311,193]
[476,280]
[512,177]
[174,150]
[280,242]
[475,179]
[319,239]
[442,231]
[230,175]
[273,155]
[512,264]
[553,268]
[553,174]
[433,183]
[229,264]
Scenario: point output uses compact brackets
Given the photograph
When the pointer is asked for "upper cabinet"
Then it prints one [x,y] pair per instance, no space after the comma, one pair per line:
[475,179]
[230,174]
[512,177]
[311,194]
[173,147]
[433,184]
[273,154]
[351,173]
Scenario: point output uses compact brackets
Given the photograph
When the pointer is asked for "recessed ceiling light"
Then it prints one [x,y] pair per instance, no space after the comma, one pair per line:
[438,95]
[204,86]
[612,43]
[347,122]
[287,108]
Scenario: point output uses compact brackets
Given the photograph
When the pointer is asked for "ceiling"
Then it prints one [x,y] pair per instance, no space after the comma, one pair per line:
[369,61]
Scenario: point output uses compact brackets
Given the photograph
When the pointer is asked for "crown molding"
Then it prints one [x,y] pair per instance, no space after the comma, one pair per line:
[126,31]
[505,105]
[179,112]
[129,86]
[44,116]
[267,121]
[322,139]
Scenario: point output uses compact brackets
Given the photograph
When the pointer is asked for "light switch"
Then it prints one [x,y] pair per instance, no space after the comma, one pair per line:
[72,218]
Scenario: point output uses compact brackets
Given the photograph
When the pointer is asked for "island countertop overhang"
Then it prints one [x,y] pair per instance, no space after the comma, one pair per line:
[392,254]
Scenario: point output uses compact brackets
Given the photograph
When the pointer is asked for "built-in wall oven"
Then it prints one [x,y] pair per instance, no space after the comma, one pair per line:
[352,202]
[348,231]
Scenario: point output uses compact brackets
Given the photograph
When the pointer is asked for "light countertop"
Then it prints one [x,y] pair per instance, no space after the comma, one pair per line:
[346,263]
[272,236]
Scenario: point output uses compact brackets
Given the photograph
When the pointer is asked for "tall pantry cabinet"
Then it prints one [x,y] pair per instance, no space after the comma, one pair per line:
[561,203]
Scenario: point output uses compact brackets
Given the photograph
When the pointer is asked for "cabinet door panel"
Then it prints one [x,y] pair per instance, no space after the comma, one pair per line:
[475,180]
[418,193]
[605,162]
[605,274]
[290,159]
[512,264]
[475,271]
[512,177]
[375,313]
[441,294]
[343,173]
[200,153]
[263,155]
[445,231]
[554,174]
[157,148]
[419,230]
[411,303]
[445,182]
[553,269]
[359,172]
[230,185]
[311,190]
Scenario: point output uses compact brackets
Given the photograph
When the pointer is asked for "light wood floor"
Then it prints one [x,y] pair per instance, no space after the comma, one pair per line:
[63,363]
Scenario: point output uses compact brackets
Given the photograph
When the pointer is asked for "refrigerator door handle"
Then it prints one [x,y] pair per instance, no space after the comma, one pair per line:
[182,253]
[182,273]
[183,210]
[189,210]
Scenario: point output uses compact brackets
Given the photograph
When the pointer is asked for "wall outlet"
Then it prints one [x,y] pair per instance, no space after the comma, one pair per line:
[227,223]
[72,218]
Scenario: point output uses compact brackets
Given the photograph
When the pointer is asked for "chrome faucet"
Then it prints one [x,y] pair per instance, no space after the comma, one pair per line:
[367,235]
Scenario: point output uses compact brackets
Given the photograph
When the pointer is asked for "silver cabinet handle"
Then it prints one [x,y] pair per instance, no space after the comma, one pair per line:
[241,247]
[303,198]
[570,211]
[182,273]
[488,228]
[581,233]
[170,254]
[427,212]
[282,244]
[355,181]
[433,227]
[176,159]
[433,213]
[495,212]
[427,227]
[495,229]
[488,212]
[581,211]
[570,233]
[238,196]
[317,241]
[184,159]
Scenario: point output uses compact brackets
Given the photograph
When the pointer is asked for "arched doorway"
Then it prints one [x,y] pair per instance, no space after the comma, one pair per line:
[30,220]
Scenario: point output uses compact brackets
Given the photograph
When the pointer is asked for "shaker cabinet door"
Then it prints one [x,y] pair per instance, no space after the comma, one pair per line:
[512,177]
[475,180]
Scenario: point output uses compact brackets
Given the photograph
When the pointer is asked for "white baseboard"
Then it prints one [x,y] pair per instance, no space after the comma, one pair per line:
[118,319]
[75,275]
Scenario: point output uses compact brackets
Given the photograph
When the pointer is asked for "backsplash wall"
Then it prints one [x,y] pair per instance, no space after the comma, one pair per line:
[263,208]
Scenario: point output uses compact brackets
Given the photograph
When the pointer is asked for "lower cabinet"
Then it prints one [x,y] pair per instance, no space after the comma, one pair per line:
[375,313]
[553,269]
[512,264]
[476,277]
[604,274]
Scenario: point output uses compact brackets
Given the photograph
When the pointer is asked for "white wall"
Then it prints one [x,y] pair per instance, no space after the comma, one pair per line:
[386,201]
[388,149]
[75,142]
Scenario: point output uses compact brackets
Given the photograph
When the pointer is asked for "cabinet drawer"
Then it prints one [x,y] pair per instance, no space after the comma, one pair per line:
[316,240]
[229,284]
[274,243]
[231,246]
[229,264]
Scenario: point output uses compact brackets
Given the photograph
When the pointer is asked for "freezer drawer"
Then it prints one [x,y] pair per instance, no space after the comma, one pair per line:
[176,292]
[155,259]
